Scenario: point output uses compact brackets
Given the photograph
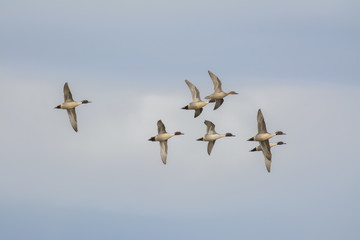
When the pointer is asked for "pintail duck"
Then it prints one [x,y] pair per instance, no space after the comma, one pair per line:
[219,94]
[263,138]
[162,137]
[211,135]
[197,104]
[258,148]
[70,105]
[267,161]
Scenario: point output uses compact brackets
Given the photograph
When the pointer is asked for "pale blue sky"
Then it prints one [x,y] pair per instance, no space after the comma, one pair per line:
[131,59]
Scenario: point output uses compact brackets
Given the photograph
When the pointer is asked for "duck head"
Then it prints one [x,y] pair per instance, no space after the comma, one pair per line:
[229,135]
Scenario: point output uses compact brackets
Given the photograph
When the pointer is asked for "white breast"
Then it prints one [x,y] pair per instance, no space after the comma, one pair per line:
[263,136]
[213,137]
[69,105]
[164,136]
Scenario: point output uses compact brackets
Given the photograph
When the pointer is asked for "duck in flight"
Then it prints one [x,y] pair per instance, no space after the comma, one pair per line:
[263,138]
[258,148]
[70,105]
[219,94]
[197,104]
[211,135]
[162,138]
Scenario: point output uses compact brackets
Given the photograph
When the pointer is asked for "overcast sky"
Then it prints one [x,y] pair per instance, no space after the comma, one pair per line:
[296,60]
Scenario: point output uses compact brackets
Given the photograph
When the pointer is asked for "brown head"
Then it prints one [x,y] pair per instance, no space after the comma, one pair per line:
[229,135]
[59,106]
[186,107]
[280,133]
[85,101]
[178,133]
[280,143]
[232,92]
[152,139]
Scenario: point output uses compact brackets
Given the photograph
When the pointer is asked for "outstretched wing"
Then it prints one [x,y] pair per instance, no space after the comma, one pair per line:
[265,147]
[218,103]
[210,127]
[67,93]
[198,112]
[161,127]
[163,150]
[216,82]
[194,91]
[261,122]
[267,164]
[210,146]
[72,116]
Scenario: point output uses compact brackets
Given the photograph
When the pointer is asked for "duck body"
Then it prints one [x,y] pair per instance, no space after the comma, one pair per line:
[70,105]
[262,137]
[216,96]
[212,137]
[163,136]
[258,148]
[196,105]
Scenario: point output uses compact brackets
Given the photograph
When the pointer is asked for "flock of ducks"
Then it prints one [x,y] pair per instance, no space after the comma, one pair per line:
[197,104]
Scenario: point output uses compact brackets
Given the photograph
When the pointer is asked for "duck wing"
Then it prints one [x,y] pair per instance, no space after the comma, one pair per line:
[267,164]
[261,122]
[216,82]
[161,127]
[210,146]
[265,147]
[67,93]
[198,112]
[72,116]
[163,150]
[194,91]
[218,103]
[210,127]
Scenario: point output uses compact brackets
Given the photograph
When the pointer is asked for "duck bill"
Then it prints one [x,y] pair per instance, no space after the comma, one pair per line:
[58,106]
[186,107]
[200,139]
[251,139]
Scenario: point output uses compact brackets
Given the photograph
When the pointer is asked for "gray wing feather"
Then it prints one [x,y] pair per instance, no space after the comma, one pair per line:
[67,93]
[161,127]
[194,91]
[216,82]
[218,103]
[265,147]
[163,151]
[72,117]
[261,122]
[198,112]
[210,127]
[267,164]
[210,146]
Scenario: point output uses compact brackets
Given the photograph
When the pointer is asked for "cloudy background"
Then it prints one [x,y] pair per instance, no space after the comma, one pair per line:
[296,60]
